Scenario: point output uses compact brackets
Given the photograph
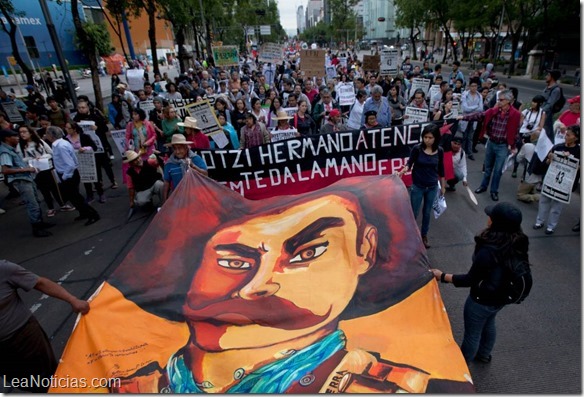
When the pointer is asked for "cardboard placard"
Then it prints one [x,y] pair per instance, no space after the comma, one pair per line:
[226,55]
[371,62]
[312,62]
[205,115]
[271,53]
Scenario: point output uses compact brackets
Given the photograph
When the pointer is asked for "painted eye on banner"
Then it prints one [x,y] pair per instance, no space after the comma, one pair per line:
[310,253]
[234,264]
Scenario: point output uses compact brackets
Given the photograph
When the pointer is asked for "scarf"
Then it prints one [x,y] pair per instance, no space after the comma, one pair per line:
[276,377]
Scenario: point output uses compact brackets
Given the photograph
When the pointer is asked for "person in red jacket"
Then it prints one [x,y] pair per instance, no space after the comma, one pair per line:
[501,124]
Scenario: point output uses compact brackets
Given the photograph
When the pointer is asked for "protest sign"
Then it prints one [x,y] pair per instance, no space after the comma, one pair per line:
[135,78]
[119,137]
[271,53]
[433,92]
[420,83]
[346,94]
[331,72]
[312,62]
[87,130]
[280,135]
[560,177]
[415,115]
[14,116]
[389,59]
[87,169]
[371,62]
[226,56]
[343,61]
[205,115]
[146,106]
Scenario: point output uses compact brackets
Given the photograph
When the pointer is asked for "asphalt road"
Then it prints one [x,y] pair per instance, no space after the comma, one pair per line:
[539,342]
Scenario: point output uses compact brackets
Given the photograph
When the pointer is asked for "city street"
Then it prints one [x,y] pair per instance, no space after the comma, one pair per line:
[538,348]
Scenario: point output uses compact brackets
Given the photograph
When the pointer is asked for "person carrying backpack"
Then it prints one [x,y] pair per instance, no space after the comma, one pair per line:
[499,275]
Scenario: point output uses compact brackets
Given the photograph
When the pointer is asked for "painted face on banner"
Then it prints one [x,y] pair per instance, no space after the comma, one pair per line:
[279,277]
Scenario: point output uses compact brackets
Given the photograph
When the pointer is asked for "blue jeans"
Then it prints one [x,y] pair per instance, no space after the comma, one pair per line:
[495,157]
[479,329]
[28,193]
[428,194]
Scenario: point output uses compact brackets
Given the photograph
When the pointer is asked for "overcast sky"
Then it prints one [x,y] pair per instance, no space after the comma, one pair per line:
[288,13]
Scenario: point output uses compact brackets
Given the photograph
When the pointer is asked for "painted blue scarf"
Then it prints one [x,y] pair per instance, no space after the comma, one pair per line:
[276,377]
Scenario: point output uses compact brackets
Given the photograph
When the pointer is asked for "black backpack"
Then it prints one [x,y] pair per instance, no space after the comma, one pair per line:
[556,107]
[516,282]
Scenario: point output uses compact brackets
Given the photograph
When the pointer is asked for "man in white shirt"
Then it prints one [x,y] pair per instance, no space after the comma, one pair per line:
[471,102]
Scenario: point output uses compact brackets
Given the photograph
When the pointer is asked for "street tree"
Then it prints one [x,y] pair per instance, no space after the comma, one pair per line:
[7,9]
[411,15]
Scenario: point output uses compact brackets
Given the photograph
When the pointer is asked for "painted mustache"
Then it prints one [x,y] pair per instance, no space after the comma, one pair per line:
[270,312]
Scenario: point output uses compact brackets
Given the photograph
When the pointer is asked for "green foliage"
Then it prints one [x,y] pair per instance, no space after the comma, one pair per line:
[98,38]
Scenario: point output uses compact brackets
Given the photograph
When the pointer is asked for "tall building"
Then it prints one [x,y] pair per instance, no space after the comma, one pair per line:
[314,12]
[300,19]
[384,30]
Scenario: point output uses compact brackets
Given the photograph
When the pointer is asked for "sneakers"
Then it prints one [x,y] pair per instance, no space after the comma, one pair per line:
[51,213]
[537,226]
[90,199]
[67,208]
[485,360]
[112,157]
[114,185]
[425,241]
[549,231]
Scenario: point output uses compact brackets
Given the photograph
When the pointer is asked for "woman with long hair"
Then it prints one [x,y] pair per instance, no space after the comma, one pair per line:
[32,148]
[140,134]
[257,111]
[427,165]
[222,106]
[502,239]
[397,103]
[302,121]
[275,107]
[238,115]
[170,123]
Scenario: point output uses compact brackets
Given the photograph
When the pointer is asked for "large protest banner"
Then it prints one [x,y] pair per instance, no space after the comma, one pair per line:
[271,53]
[226,56]
[310,162]
[312,63]
[329,291]
[371,62]
[560,177]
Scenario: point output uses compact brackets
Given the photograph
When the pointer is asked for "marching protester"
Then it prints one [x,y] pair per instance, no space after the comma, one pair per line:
[549,210]
[180,161]
[426,162]
[253,133]
[302,120]
[502,239]
[26,348]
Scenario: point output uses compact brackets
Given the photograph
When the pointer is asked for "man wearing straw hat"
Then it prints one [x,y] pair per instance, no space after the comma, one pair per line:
[195,133]
[144,180]
[180,161]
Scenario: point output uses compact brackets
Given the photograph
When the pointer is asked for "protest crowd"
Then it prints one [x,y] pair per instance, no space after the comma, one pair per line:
[160,126]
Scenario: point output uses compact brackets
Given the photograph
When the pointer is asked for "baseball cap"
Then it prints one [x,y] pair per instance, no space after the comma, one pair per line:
[6,133]
[576,99]
[334,113]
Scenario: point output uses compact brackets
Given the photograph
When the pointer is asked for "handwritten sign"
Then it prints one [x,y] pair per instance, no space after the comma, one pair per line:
[415,115]
[226,55]
[280,135]
[371,62]
[271,53]
[312,62]
[389,59]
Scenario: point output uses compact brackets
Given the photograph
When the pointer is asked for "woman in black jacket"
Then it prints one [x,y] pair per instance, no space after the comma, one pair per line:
[501,239]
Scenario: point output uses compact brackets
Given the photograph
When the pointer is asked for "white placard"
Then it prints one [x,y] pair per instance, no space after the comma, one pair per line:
[135,79]
[220,139]
[343,61]
[119,137]
[265,30]
[87,169]
[280,135]
[559,178]
[271,53]
[415,115]
[146,106]
[419,83]
[389,62]
[290,111]
[434,90]
[331,72]
[455,109]
[206,119]
[87,130]
[346,94]
[41,164]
